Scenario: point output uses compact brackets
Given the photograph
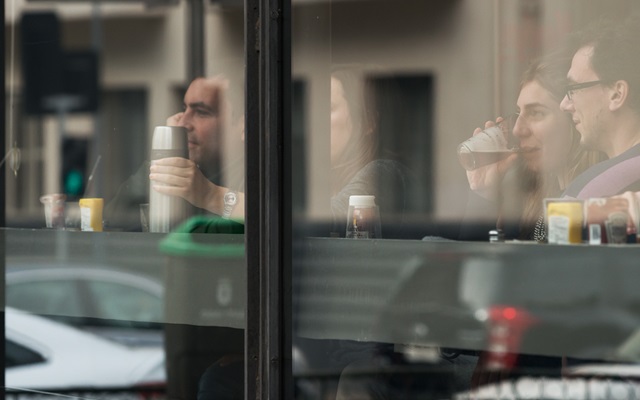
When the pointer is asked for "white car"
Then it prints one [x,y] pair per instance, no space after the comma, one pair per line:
[84,291]
[42,354]
[115,304]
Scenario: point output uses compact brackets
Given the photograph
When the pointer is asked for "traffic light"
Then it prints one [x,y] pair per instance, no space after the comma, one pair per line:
[74,166]
[55,80]
[41,59]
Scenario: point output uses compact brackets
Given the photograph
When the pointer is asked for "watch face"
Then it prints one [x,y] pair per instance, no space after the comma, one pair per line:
[230,198]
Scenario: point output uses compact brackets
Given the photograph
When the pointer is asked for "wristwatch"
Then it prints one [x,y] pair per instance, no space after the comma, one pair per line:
[230,201]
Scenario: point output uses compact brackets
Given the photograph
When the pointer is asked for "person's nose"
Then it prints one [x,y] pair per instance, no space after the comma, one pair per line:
[566,104]
[187,120]
[520,128]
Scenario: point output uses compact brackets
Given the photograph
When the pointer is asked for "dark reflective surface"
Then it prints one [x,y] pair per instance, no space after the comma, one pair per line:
[93,296]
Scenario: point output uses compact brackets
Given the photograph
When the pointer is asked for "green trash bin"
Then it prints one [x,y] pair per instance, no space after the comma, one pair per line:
[205,297]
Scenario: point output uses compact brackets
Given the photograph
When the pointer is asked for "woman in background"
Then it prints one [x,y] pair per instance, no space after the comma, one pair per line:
[356,166]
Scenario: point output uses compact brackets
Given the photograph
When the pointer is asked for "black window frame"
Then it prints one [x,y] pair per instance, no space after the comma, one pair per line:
[3,207]
[268,205]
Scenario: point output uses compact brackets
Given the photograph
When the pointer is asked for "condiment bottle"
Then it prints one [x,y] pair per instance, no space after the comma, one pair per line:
[363,218]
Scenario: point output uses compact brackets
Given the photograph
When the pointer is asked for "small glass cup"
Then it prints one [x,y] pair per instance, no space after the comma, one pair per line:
[54,210]
[489,146]
[363,218]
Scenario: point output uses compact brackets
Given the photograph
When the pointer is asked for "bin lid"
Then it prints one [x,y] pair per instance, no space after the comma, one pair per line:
[186,239]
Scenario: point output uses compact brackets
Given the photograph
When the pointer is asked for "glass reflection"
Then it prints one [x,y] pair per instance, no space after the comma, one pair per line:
[434,315]
[117,313]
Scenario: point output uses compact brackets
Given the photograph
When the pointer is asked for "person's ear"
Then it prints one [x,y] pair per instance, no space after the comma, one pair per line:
[618,95]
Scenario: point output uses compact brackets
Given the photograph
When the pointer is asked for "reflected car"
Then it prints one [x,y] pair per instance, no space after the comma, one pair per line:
[45,355]
[117,304]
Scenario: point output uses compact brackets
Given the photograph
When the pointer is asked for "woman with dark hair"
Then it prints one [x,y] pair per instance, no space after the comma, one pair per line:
[356,168]
[550,156]
[353,127]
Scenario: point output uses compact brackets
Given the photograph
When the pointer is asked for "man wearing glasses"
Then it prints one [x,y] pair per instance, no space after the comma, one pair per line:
[603,98]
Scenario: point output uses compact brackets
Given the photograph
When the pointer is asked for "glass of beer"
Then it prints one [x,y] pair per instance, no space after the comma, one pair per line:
[489,146]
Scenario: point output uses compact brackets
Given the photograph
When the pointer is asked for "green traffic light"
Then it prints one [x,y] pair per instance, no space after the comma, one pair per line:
[73,183]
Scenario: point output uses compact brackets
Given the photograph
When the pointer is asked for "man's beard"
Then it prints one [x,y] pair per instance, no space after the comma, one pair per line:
[210,166]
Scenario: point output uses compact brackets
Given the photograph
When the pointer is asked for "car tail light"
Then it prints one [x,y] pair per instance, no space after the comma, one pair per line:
[151,390]
[507,326]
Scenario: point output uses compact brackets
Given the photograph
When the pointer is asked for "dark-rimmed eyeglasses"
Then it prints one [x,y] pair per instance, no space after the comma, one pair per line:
[577,86]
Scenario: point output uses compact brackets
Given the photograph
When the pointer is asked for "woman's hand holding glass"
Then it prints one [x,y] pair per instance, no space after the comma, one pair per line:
[485,180]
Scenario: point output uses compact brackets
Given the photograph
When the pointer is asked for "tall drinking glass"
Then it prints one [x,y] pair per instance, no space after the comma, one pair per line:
[489,146]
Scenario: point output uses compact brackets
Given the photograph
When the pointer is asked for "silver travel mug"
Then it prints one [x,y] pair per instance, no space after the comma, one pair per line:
[167,212]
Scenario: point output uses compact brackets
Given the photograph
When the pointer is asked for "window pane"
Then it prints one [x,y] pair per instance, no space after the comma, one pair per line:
[124,236]
[397,292]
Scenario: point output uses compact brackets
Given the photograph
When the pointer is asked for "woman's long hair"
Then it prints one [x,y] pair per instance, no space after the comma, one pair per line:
[362,146]
[550,73]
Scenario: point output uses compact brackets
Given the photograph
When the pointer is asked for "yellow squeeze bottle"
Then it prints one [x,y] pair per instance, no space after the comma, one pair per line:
[91,214]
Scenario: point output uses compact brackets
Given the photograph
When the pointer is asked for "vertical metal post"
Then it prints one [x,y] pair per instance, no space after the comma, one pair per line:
[3,195]
[268,205]
[497,55]
[195,39]
[98,145]
[3,124]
